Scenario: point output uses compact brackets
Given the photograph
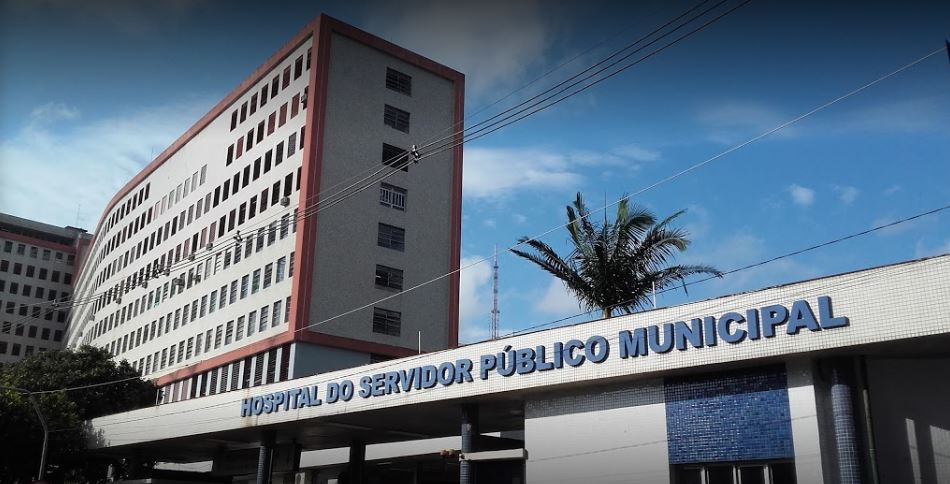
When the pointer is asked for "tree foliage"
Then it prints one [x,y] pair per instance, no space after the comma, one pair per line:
[66,411]
[615,266]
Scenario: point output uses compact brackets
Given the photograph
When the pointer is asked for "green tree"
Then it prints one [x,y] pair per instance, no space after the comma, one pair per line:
[615,266]
[65,411]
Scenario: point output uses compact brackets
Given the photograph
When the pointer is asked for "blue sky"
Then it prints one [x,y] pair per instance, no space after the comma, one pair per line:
[91,91]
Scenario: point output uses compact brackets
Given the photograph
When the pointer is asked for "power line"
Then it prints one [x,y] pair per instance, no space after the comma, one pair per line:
[660,182]
[756,264]
[330,202]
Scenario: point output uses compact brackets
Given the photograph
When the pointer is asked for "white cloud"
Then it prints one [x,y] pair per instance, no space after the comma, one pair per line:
[474,299]
[48,174]
[557,300]
[489,223]
[519,218]
[802,196]
[923,250]
[892,190]
[52,112]
[494,43]
[500,172]
[847,194]
[638,153]
[739,250]
[731,122]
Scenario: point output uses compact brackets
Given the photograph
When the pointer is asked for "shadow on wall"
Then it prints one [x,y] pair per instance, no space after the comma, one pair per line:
[910,399]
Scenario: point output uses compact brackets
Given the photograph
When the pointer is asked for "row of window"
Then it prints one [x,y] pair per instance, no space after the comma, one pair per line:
[217,299]
[203,205]
[35,312]
[248,108]
[27,290]
[187,186]
[31,271]
[245,143]
[31,331]
[190,185]
[265,367]
[48,254]
[126,208]
[16,347]
[268,316]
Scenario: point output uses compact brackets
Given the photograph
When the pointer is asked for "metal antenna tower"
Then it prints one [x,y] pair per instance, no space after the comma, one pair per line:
[494,287]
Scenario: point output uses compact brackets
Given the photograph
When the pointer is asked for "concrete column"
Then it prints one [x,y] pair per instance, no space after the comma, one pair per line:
[846,436]
[357,464]
[265,460]
[469,431]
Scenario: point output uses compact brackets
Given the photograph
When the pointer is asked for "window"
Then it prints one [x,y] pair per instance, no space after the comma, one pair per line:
[391,237]
[395,157]
[388,277]
[396,118]
[264,95]
[8,248]
[268,272]
[251,322]
[276,314]
[399,82]
[298,67]
[281,269]
[274,86]
[263,319]
[386,321]
[291,145]
[239,331]
[256,282]
[392,196]
[286,81]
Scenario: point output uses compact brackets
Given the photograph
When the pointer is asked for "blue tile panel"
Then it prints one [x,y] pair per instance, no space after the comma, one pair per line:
[734,416]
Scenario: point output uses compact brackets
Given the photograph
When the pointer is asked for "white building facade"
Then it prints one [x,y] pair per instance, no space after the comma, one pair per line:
[217,267]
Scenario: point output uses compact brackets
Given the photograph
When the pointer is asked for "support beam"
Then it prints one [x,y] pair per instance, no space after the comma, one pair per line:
[846,435]
[357,465]
[469,433]
[265,460]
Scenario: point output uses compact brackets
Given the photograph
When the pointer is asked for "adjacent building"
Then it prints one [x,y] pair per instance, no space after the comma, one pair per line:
[253,249]
[37,269]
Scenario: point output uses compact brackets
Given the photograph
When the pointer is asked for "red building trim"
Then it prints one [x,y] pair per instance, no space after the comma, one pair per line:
[210,116]
[319,30]
[223,359]
[313,156]
[69,249]
[305,251]
[455,252]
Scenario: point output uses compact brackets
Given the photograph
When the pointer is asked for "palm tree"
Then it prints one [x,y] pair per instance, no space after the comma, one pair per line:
[616,266]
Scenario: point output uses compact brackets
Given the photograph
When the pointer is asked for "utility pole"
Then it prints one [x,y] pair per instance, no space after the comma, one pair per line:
[39,415]
[494,287]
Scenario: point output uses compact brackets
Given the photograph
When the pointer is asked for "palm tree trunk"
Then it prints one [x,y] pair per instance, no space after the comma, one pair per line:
[607,312]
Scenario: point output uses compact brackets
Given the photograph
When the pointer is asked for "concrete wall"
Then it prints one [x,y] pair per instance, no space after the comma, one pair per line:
[910,410]
[803,413]
[346,247]
[310,359]
[615,435]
